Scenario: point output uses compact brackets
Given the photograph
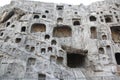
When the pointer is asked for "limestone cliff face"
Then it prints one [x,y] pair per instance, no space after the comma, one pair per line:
[46,41]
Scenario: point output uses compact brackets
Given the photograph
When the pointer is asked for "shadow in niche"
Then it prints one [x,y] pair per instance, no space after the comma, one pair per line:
[62,31]
[41,77]
[93,32]
[108,18]
[115,30]
[8,16]
[38,27]
[75,23]
[117,57]
[75,60]
[92,18]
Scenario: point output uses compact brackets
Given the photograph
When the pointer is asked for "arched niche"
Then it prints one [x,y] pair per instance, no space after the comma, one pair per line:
[76,23]
[117,57]
[104,37]
[49,49]
[59,20]
[62,31]
[53,42]
[47,36]
[36,16]
[31,61]
[108,18]
[23,29]
[41,76]
[60,60]
[101,50]
[93,32]
[92,18]
[115,33]
[38,27]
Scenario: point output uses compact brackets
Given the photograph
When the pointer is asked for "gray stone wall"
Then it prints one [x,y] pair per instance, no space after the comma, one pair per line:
[46,41]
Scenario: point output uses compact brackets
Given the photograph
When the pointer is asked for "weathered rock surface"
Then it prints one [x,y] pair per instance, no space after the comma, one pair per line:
[46,41]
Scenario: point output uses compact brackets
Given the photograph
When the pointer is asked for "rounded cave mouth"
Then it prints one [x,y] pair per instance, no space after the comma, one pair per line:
[75,60]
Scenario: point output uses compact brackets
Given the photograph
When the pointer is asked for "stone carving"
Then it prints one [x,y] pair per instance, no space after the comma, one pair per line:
[47,41]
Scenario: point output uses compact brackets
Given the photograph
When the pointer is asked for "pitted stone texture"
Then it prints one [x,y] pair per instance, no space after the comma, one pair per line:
[46,41]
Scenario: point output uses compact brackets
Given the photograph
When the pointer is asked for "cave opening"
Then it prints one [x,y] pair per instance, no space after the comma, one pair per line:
[117,57]
[31,61]
[108,18]
[41,77]
[62,31]
[92,18]
[38,27]
[59,20]
[23,29]
[59,60]
[115,33]
[36,16]
[76,23]
[18,40]
[75,60]
[93,32]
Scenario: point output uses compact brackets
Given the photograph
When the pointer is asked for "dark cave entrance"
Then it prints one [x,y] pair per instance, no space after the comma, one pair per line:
[117,57]
[75,60]
[108,18]
[41,77]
